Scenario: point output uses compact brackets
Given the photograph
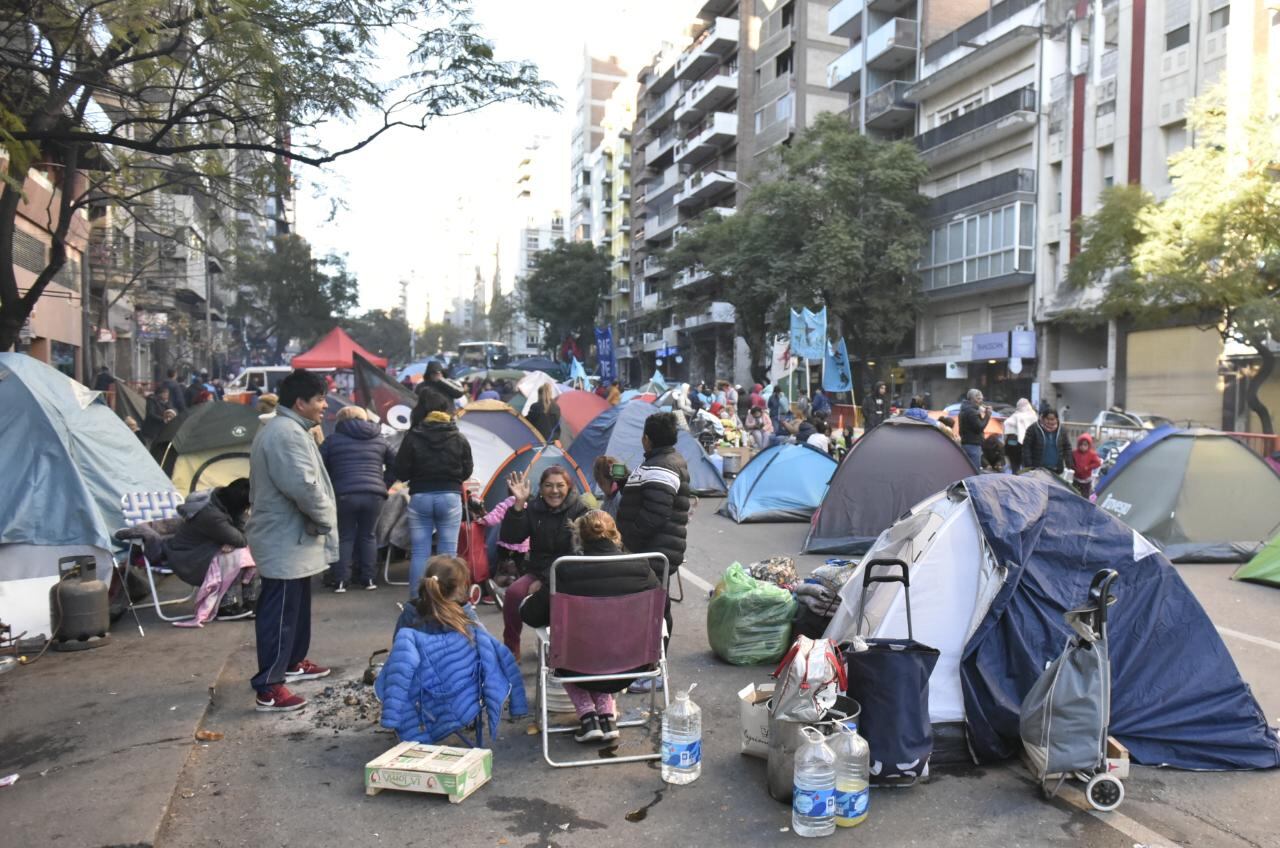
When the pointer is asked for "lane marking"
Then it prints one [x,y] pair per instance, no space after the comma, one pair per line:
[1073,793]
[1245,637]
[698,581]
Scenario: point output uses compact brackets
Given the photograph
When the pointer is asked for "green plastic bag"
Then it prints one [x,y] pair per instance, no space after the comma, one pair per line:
[749,621]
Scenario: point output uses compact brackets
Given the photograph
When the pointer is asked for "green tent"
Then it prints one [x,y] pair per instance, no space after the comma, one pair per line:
[1263,568]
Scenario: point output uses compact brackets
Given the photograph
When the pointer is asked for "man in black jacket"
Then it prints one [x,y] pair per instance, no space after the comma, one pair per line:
[1045,444]
[435,379]
[875,407]
[973,424]
[654,513]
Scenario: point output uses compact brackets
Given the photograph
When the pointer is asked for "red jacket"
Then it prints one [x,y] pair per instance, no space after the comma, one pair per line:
[1085,461]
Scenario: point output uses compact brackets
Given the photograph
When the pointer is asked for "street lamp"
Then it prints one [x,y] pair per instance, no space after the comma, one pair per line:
[729,176]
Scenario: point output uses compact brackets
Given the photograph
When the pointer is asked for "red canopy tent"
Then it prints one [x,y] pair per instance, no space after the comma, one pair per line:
[334,351]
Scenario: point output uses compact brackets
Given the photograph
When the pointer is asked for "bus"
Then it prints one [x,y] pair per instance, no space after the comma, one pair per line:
[483,355]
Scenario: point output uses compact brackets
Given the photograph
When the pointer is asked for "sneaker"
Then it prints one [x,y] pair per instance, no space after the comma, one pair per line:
[369,584]
[644,685]
[590,729]
[340,588]
[306,670]
[278,699]
[234,612]
[608,729]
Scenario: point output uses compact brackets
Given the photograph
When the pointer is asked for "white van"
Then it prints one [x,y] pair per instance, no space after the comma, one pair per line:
[256,379]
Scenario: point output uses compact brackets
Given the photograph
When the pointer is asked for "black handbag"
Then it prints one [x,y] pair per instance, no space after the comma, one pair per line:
[890,681]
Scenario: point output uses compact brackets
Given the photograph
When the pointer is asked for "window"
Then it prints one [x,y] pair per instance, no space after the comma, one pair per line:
[782,107]
[784,62]
[1107,165]
[1177,37]
[1219,18]
[944,115]
[788,14]
[760,120]
[531,242]
[988,244]
[1055,184]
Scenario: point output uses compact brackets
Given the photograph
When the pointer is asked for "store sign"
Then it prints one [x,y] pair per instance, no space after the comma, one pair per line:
[1023,344]
[152,326]
[991,346]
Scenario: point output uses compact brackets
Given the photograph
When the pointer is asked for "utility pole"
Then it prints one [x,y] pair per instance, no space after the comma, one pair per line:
[404,310]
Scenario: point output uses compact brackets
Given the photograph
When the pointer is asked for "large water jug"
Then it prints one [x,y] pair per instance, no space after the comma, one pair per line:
[682,740]
[813,802]
[853,768]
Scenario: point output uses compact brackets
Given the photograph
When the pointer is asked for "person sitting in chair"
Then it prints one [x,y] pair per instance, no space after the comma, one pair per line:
[209,550]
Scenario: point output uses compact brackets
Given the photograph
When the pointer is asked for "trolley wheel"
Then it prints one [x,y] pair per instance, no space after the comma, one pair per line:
[1104,792]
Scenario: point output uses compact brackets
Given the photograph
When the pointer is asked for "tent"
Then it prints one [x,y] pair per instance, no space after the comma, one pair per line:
[1199,494]
[1263,568]
[129,403]
[539,363]
[616,432]
[488,451]
[335,350]
[889,470]
[577,410]
[781,483]
[534,459]
[503,421]
[1134,450]
[994,563]
[529,385]
[69,463]
[207,445]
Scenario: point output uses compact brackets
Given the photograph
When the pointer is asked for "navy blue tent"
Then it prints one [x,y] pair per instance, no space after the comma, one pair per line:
[616,432]
[781,483]
[1177,697]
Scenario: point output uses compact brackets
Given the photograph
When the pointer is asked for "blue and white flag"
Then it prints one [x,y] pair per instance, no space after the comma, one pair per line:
[809,333]
[658,380]
[576,371]
[605,355]
[836,374]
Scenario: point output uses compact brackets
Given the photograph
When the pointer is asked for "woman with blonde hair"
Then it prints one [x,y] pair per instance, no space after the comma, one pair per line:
[544,415]
[359,462]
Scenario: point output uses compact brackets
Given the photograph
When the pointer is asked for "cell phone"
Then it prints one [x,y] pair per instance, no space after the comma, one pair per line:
[618,471]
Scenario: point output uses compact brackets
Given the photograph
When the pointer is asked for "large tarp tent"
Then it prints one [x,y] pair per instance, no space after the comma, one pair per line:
[534,459]
[335,350]
[1199,494]
[781,483]
[207,445]
[617,432]
[69,461]
[1263,568]
[503,421]
[889,470]
[994,563]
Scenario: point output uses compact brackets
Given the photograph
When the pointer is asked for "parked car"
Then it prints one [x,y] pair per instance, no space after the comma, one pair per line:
[1124,424]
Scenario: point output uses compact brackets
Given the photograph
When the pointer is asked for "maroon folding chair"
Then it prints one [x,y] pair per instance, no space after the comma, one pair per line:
[635,625]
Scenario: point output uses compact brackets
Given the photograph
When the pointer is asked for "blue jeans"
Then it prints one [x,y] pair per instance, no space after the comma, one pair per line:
[974,453]
[357,521]
[432,512]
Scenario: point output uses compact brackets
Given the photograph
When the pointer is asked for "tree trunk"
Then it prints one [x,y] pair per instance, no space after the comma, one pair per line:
[1255,404]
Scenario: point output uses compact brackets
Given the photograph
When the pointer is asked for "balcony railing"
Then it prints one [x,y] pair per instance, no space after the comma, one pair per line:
[1019,180]
[972,30]
[659,146]
[708,92]
[1021,100]
[689,276]
[716,129]
[844,19]
[657,226]
[893,44]
[845,73]
[715,41]
[887,98]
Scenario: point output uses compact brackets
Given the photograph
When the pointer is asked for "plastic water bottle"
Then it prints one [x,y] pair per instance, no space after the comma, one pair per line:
[813,797]
[853,767]
[682,740]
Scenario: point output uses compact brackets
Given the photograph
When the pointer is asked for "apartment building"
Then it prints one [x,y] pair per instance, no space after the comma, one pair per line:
[611,201]
[596,84]
[879,67]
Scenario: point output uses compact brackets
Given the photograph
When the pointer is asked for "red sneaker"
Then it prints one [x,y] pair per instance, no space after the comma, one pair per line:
[278,699]
[306,670]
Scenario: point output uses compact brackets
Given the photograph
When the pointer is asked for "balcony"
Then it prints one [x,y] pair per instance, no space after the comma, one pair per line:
[708,94]
[662,184]
[893,45]
[650,303]
[888,108]
[706,139]
[652,341]
[1001,118]
[716,41]
[704,184]
[713,8]
[845,73]
[994,191]
[658,148]
[991,37]
[660,226]
[662,106]
[844,19]
[689,276]
[652,267]
[622,286]
[717,313]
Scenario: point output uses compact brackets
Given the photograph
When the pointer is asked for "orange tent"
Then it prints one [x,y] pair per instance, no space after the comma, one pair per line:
[334,351]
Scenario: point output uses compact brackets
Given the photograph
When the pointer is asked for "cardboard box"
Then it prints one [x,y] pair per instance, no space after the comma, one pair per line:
[1117,759]
[433,769]
[753,714]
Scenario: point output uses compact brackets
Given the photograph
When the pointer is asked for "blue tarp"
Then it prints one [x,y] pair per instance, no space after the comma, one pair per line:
[781,483]
[617,431]
[1177,697]
[1133,451]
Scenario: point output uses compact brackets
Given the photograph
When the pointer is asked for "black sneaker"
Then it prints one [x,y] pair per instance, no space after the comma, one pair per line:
[608,728]
[590,730]
[340,588]
[369,584]
[233,612]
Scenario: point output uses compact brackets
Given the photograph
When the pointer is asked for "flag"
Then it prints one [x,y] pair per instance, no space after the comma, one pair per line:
[658,380]
[809,333]
[576,371]
[605,355]
[783,361]
[391,402]
[836,375]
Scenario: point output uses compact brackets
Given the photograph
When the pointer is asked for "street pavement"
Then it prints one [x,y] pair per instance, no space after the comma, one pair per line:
[104,743]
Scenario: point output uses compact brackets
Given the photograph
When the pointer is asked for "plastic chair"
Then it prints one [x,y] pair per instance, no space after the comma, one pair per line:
[635,625]
[140,508]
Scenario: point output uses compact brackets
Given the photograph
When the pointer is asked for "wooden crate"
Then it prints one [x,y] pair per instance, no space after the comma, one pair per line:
[433,769]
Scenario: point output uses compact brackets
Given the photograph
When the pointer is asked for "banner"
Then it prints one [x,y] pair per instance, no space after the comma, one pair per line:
[391,402]
[783,361]
[836,374]
[604,353]
[809,333]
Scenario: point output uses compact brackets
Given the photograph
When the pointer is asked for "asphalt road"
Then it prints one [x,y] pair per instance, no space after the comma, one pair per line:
[104,744]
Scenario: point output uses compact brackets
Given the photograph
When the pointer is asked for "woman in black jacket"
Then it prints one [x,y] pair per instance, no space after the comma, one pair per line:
[544,415]
[359,462]
[547,522]
[593,701]
[436,460]
[1045,445]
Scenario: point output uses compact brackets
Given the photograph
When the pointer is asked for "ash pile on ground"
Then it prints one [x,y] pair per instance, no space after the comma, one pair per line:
[343,706]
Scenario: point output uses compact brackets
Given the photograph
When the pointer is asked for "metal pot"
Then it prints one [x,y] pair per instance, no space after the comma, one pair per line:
[786,737]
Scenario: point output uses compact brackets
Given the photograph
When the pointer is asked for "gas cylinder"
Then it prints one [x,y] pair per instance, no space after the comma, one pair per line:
[78,605]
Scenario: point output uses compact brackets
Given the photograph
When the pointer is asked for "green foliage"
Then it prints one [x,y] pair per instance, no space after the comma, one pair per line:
[382,331]
[502,313]
[562,292]
[438,338]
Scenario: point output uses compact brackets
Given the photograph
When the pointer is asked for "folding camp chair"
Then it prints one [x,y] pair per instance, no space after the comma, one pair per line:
[635,626]
[140,508]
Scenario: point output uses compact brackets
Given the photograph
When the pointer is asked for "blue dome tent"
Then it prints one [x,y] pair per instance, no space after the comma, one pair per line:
[781,483]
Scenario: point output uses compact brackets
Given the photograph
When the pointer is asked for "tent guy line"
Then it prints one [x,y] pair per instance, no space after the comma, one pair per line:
[1245,637]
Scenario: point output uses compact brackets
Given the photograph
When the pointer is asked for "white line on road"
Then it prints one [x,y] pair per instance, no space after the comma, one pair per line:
[1245,637]
[1074,795]
[695,579]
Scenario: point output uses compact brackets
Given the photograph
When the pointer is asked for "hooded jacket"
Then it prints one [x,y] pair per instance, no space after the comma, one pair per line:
[654,514]
[1084,463]
[434,456]
[875,408]
[973,424]
[436,680]
[1033,448]
[1016,425]
[205,528]
[358,459]
[549,531]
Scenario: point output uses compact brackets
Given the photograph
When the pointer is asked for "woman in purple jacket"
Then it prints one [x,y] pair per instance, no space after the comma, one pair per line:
[359,463]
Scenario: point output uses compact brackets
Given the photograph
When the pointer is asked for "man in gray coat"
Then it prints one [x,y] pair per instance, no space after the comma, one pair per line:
[292,535]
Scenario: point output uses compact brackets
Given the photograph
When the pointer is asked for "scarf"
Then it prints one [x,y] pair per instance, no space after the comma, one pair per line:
[439,417]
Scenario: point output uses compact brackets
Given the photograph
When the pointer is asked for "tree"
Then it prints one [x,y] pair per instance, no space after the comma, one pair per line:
[1209,253]
[502,314]
[118,99]
[383,331]
[562,292]
[439,338]
[286,294]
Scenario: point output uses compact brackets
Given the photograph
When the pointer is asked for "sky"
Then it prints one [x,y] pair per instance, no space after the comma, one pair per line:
[413,201]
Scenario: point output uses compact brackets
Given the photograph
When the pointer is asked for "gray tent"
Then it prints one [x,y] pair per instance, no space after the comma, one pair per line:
[890,469]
